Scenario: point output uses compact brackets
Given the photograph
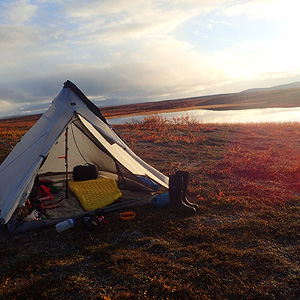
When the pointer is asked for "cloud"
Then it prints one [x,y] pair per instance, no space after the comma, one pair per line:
[159,70]
[53,51]
[17,37]
[137,8]
[18,12]
[133,24]
[114,21]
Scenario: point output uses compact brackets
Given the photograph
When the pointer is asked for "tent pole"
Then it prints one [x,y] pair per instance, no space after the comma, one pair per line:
[66,161]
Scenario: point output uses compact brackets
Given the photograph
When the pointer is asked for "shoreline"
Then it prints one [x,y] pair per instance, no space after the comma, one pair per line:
[218,107]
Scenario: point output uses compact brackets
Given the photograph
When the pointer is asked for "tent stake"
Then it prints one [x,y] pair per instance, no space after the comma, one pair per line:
[66,161]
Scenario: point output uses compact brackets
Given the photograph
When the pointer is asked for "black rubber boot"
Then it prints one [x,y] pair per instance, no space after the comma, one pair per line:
[175,195]
[185,176]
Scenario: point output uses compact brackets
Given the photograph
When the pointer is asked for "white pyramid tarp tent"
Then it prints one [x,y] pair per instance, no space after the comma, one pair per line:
[90,139]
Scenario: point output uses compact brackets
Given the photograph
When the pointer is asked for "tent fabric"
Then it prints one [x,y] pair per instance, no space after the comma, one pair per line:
[90,139]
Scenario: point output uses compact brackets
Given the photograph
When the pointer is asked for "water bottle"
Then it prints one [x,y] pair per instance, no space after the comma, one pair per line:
[64,225]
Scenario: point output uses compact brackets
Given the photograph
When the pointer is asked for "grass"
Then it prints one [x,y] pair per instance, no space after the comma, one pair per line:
[243,243]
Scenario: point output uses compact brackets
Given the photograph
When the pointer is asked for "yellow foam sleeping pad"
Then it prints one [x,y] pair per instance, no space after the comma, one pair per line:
[95,193]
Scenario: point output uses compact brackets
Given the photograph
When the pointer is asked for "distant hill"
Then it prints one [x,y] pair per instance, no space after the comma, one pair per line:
[281,96]
[274,88]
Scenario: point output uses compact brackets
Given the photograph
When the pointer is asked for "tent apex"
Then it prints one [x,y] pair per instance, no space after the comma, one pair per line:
[80,94]
[68,84]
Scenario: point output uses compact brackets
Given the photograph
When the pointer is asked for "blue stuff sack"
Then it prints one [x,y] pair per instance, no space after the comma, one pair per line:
[161,200]
[151,183]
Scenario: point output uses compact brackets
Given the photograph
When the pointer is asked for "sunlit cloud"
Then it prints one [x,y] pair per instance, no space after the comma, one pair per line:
[264,9]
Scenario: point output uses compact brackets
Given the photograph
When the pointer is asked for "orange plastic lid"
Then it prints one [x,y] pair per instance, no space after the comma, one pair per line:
[127,215]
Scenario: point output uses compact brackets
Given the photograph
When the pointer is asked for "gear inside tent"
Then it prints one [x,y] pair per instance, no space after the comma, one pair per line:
[70,163]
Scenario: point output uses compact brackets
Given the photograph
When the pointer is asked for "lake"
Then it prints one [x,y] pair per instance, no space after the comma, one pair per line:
[291,114]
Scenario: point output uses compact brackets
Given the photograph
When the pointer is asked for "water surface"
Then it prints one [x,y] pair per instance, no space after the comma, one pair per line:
[291,114]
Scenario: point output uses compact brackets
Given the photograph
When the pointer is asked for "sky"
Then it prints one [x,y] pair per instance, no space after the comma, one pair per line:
[130,51]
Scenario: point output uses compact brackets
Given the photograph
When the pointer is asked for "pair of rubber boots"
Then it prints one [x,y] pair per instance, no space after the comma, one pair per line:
[178,185]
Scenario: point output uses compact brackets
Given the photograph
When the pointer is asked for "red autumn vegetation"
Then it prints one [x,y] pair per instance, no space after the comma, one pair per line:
[243,242]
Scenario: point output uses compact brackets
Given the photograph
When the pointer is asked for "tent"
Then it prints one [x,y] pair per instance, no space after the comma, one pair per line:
[72,132]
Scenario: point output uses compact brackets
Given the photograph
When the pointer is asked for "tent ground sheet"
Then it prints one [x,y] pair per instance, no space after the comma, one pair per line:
[62,207]
[71,206]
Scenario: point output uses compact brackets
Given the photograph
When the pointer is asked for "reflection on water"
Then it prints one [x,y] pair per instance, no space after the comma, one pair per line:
[229,116]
